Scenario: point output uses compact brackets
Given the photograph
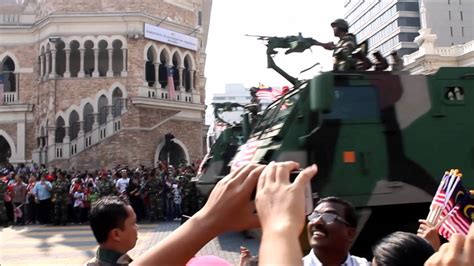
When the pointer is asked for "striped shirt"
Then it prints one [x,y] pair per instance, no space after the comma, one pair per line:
[312,260]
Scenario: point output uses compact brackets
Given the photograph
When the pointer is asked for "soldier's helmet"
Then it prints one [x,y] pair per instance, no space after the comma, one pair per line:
[340,23]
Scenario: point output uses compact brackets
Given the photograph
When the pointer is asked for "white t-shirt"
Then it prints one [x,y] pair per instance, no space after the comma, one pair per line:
[177,196]
[312,260]
[79,198]
[122,184]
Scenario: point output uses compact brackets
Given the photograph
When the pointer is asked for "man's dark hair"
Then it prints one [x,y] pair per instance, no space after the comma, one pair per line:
[402,248]
[106,214]
[349,212]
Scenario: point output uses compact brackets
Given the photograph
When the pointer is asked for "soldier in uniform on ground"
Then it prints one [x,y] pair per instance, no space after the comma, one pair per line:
[60,192]
[105,186]
[343,49]
[154,189]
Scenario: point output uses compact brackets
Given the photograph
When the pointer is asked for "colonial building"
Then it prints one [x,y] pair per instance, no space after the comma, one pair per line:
[90,84]
[431,54]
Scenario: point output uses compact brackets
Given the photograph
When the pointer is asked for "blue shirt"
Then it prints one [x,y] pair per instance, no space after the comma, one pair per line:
[42,190]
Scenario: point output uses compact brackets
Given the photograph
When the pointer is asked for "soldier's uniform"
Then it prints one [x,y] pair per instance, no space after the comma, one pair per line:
[342,53]
[154,189]
[106,187]
[188,196]
[60,192]
[106,257]
[3,210]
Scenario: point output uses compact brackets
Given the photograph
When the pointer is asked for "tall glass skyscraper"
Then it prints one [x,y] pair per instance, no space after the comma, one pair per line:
[393,24]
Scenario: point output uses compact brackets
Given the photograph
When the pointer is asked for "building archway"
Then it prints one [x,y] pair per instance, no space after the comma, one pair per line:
[178,153]
[5,151]
[7,148]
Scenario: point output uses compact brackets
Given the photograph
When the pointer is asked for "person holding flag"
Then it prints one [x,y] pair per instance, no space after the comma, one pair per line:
[451,210]
[18,199]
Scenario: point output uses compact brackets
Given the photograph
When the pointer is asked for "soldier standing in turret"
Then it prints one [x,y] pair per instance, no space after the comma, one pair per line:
[60,191]
[342,54]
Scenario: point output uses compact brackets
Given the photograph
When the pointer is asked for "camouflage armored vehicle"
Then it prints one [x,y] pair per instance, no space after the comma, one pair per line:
[381,139]
[216,164]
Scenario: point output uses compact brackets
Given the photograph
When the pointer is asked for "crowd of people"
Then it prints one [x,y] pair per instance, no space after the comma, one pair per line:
[278,208]
[35,195]
[250,197]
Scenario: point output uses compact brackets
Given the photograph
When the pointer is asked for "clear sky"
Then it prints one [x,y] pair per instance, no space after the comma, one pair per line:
[234,58]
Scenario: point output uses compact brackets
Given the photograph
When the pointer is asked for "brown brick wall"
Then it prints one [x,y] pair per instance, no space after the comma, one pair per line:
[10,129]
[135,147]
[154,7]
[31,143]
[150,117]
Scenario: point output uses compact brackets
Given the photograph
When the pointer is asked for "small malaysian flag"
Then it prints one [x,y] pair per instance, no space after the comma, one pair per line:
[171,88]
[219,126]
[269,93]
[458,219]
[245,155]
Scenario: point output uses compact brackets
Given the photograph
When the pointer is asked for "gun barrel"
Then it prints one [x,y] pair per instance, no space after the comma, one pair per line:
[260,37]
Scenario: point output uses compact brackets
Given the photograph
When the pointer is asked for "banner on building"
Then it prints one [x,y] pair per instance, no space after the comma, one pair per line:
[171,37]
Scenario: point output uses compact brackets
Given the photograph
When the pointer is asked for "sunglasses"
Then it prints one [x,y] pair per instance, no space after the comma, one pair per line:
[327,217]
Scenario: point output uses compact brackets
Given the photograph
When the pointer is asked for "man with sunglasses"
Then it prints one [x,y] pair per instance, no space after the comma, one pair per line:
[331,231]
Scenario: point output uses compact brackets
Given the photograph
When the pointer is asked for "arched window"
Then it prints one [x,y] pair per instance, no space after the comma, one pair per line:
[8,76]
[88,115]
[117,57]
[176,71]
[73,125]
[103,109]
[41,138]
[150,67]
[187,74]
[163,71]
[117,102]
[49,60]
[103,58]
[60,59]
[60,132]
[42,67]
[74,58]
[88,58]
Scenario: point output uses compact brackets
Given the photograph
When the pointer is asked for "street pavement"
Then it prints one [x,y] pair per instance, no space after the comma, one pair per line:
[75,244]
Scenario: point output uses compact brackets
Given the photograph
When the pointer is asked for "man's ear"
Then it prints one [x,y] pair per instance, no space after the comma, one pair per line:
[351,233]
[114,235]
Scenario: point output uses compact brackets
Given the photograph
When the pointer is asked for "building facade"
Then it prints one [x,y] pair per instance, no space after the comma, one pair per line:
[86,86]
[431,55]
[394,24]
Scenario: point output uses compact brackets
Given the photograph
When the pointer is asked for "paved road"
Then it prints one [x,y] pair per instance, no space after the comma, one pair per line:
[73,245]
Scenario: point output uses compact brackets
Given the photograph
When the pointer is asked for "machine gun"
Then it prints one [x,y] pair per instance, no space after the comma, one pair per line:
[294,44]
[224,107]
